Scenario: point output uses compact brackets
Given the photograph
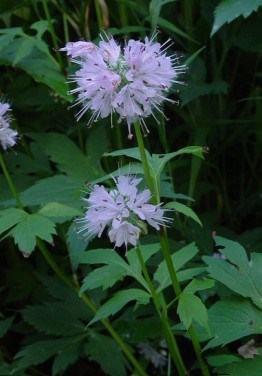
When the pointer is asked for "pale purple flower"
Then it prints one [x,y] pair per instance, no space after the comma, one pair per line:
[7,135]
[122,210]
[132,81]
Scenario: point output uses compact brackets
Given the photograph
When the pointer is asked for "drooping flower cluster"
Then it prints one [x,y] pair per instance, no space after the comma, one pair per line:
[122,210]
[7,135]
[132,82]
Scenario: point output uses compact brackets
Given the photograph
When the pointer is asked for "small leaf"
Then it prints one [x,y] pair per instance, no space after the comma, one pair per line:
[119,300]
[190,308]
[199,284]
[228,10]
[31,227]
[181,208]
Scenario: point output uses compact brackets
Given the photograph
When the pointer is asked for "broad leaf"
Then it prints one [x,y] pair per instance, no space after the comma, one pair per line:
[237,272]
[119,300]
[59,212]
[228,10]
[190,308]
[181,208]
[232,319]
[199,284]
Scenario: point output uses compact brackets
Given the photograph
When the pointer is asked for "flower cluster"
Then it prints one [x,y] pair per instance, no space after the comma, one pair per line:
[123,210]
[131,82]
[7,135]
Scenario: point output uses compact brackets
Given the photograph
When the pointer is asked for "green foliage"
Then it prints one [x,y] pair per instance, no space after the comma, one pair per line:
[247,367]
[119,300]
[237,272]
[228,10]
[190,308]
[105,351]
[5,326]
[181,208]
[232,319]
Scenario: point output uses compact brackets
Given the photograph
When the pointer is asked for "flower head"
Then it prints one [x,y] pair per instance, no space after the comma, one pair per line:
[7,135]
[132,81]
[122,210]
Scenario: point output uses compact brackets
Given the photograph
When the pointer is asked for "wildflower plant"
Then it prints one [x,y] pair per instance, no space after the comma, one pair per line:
[132,81]
[123,300]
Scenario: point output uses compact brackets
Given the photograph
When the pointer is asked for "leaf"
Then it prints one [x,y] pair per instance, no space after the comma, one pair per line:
[39,352]
[68,156]
[117,266]
[5,325]
[59,212]
[171,27]
[60,188]
[247,367]
[106,352]
[181,208]
[199,89]
[232,319]
[119,300]
[179,259]
[130,169]
[76,245]
[53,318]
[221,360]
[190,308]
[23,50]
[105,277]
[31,227]
[237,272]
[199,284]
[38,64]
[147,251]
[41,27]
[229,10]
[5,40]
[10,217]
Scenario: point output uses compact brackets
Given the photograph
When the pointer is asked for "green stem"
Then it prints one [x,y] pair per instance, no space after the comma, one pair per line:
[90,304]
[10,182]
[99,15]
[52,32]
[171,341]
[166,249]
[145,165]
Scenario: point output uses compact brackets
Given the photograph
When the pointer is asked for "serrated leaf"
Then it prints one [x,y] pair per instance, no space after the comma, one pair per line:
[107,353]
[190,307]
[119,300]
[237,272]
[181,208]
[232,319]
[199,284]
[221,360]
[179,259]
[39,352]
[10,217]
[105,277]
[76,245]
[229,10]
[147,251]
[247,367]
[68,156]
[31,227]
[53,318]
